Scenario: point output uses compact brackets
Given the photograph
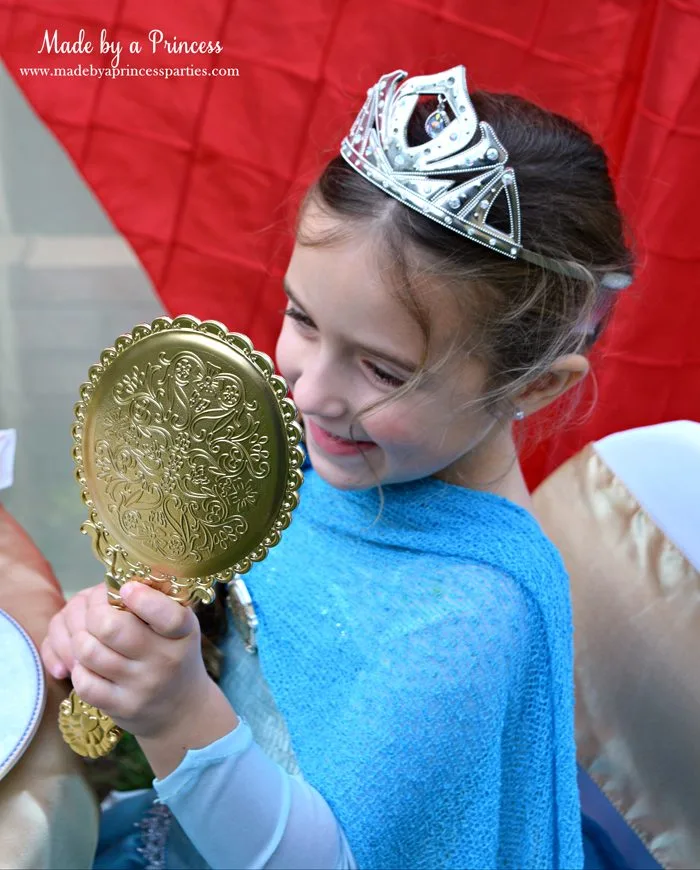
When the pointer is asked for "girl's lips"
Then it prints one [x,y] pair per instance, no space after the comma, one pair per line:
[334,444]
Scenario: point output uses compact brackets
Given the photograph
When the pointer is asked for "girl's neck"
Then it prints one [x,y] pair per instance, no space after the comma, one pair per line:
[492,466]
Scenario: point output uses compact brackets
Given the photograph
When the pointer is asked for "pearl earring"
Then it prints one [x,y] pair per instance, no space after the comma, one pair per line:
[519,414]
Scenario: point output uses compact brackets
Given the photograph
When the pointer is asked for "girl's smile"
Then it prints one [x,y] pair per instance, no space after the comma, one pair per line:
[335,444]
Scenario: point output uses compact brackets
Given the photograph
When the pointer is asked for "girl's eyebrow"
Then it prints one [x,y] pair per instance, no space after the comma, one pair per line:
[289,294]
[407,366]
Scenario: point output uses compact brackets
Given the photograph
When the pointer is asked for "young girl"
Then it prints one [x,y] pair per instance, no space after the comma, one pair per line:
[411,701]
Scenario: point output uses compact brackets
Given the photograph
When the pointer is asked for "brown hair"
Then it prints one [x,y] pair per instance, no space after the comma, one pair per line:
[521,317]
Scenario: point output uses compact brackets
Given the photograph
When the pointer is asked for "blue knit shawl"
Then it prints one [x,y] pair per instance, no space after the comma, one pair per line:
[422,661]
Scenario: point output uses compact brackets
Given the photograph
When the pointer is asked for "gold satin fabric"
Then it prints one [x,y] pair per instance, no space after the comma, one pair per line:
[48,815]
[636,601]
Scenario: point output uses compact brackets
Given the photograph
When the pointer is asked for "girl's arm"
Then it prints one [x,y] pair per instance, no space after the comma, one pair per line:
[240,809]
[204,719]
[237,806]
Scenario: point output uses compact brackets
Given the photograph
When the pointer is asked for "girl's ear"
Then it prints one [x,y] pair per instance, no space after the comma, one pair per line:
[564,374]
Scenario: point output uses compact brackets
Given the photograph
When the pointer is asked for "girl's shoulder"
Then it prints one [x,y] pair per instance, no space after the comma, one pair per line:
[457,603]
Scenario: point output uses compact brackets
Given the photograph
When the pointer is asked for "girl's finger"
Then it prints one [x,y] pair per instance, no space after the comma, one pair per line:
[100,659]
[116,629]
[74,612]
[95,690]
[58,641]
[53,664]
[164,615]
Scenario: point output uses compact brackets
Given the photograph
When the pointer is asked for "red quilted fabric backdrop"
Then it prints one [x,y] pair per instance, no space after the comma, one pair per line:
[201,172]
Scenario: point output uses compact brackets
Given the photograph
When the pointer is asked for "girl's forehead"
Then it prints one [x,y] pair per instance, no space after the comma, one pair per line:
[343,284]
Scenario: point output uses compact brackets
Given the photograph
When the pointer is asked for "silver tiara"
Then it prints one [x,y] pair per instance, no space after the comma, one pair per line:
[377,148]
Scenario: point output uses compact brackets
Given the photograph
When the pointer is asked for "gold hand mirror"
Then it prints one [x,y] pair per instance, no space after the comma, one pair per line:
[187,451]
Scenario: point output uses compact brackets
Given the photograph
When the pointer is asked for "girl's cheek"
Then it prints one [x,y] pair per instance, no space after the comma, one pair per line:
[394,429]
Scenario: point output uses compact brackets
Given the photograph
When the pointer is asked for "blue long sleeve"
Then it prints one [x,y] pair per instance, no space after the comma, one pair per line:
[240,809]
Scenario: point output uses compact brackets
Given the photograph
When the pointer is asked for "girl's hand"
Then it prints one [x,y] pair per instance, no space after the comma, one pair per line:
[57,647]
[143,666]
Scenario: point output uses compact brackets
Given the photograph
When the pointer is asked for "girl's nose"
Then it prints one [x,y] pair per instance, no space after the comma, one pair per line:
[318,390]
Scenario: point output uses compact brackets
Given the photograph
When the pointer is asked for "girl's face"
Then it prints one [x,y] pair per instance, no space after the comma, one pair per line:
[347,343]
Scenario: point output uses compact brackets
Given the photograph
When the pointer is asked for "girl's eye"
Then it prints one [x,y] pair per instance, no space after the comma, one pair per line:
[386,378]
[381,375]
[298,316]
